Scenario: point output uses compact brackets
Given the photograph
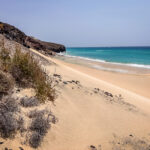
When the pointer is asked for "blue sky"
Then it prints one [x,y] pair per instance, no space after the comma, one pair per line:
[81,22]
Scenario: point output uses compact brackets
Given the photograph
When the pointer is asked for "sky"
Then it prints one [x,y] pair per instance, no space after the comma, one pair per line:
[79,23]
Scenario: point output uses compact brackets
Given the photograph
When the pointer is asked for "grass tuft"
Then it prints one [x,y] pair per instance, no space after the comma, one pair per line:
[6,84]
[27,72]
[5,59]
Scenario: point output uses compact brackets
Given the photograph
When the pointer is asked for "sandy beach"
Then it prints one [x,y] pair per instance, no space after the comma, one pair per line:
[95,109]
[98,109]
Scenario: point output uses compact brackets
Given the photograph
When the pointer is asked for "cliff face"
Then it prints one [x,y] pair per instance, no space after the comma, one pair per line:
[12,33]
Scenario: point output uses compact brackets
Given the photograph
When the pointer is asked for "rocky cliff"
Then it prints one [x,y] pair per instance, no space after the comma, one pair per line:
[12,33]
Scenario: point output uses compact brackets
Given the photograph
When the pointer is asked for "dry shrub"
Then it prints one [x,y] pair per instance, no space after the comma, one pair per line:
[27,72]
[35,140]
[29,102]
[39,126]
[35,113]
[9,124]
[5,59]
[6,84]
[22,68]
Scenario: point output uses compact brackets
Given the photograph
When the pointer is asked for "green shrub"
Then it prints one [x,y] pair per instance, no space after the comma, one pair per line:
[27,72]
[5,59]
[6,84]
[22,68]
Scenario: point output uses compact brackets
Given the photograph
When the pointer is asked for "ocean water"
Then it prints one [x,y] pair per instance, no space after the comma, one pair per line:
[135,56]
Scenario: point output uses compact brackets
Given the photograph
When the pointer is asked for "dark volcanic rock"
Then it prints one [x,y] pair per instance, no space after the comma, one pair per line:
[12,33]
[45,46]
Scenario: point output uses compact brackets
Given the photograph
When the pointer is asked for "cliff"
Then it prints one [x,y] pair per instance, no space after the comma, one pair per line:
[12,33]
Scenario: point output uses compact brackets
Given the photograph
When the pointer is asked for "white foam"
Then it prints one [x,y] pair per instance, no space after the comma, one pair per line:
[98,60]
[110,69]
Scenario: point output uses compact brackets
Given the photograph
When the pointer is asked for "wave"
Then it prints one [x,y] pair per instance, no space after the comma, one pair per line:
[104,61]
[110,69]
[85,58]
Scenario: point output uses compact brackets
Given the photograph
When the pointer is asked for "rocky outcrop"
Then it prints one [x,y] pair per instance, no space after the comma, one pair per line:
[12,33]
[46,46]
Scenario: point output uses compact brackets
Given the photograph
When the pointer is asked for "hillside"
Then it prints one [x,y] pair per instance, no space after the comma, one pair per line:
[12,33]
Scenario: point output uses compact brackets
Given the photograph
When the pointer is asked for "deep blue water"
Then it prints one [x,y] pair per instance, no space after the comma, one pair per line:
[127,55]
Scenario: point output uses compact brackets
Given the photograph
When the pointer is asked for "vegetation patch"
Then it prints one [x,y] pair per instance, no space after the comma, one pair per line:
[9,123]
[6,84]
[29,102]
[41,122]
[27,72]
[22,70]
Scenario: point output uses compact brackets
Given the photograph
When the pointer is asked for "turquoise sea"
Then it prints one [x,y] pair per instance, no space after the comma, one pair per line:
[136,56]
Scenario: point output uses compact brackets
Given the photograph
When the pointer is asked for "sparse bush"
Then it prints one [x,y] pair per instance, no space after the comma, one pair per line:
[29,102]
[5,60]
[8,122]
[27,72]
[22,68]
[35,113]
[6,84]
[40,113]
[35,140]
[8,125]
[20,122]
[8,104]
[39,127]
[40,124]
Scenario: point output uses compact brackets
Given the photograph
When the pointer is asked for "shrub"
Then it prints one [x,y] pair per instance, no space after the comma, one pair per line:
[39,126]
[8,125]
[35,140]
[6,84]
[29,102]
[35,113]
[27,72]
[5,59]
[8,104]
[22,68]
[8,122]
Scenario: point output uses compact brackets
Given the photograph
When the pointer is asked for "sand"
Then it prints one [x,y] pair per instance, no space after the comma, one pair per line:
[90,119]
[97,109]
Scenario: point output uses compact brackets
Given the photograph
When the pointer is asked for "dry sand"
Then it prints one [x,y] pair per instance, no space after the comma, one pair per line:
[88,117]
[98,110]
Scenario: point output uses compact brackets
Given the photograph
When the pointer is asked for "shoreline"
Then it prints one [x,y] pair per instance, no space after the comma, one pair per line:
[107,66]
[135,79]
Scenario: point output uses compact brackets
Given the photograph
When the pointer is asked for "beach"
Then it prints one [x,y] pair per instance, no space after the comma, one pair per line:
[95,109]
[98,109]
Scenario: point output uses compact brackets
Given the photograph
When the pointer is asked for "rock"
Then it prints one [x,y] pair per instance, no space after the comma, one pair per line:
[21,148]
[108,94]
[65,82]
[131,135]
[92,147]
[57,75]
[12,33]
